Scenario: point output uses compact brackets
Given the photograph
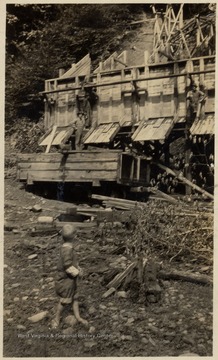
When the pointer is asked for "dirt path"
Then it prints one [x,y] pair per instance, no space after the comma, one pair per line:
[181,322]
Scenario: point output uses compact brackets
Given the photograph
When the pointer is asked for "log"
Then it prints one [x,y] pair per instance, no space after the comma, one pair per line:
[185,181]
[166,197]
[123,202]
[185,276]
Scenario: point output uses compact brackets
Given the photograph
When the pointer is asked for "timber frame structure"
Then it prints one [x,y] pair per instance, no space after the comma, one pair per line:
[139,114]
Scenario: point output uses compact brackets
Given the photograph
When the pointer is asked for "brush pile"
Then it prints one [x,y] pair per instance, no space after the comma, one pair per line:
[178,232]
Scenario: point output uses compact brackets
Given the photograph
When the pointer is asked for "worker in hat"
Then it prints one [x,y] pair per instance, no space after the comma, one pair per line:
[195,99]
[67,278]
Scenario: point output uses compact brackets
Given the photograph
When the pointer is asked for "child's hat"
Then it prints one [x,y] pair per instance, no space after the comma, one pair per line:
[68,231]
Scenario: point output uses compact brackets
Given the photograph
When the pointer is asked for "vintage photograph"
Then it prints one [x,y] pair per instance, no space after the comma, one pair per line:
[109,179]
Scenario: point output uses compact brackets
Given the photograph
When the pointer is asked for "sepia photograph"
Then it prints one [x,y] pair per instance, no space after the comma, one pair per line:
[109,162]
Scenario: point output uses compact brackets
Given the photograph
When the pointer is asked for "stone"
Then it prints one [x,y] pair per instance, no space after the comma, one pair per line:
[5,266]
[10,320]
[68,331]
[126,337]
[15,285]
[153,328]
[130,321]
[102,307]
[142,308]
[21,327]
[16,231]
[90,344]
[188,354]
[169,334]
[49,279]
[70,320]
[9,226]
[38,317]
[16,299]
[122,294]
[92,310]
[202,319]
[188,340]
[43,299]
[35,290]
[24,298]
[92,330]
[144,340]
[7,312]
[115,317]
[140,330]
[36,208]
[122,258]
[113,308]
[32,257]
[181,296]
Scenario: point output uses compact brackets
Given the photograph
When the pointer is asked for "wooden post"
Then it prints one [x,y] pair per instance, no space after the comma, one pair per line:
[187,161]
[99,102]
[56,111]
[175,95]
[167,154]
[122,103]
[181,19]
[147,102]
[187,171]
[138,168]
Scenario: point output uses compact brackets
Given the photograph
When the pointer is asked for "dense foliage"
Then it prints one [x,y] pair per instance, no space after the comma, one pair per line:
[42,38]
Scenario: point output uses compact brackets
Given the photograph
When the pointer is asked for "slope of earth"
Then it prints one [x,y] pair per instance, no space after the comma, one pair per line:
[181,322]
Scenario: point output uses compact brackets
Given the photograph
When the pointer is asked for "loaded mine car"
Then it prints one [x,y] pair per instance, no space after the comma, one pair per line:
[124,126]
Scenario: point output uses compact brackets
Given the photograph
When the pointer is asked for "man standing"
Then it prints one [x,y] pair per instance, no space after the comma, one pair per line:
[195,101]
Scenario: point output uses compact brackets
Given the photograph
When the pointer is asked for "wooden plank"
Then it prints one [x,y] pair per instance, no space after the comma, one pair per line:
[72,176]
[105,175]
[91,165]
[51,138]
[78,225]
[60,137]
[72,156]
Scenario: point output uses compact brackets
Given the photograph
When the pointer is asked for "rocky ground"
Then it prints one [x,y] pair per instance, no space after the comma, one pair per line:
[180,323]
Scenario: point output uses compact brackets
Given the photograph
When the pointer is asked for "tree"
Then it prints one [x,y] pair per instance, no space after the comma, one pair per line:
[42,38]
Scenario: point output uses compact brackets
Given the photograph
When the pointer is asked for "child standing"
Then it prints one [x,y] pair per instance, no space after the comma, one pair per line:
[68,272]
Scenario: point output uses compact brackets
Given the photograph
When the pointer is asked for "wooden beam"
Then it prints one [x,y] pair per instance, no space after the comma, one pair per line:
[175,23]
[185,181]
[129,80]
[185,276]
